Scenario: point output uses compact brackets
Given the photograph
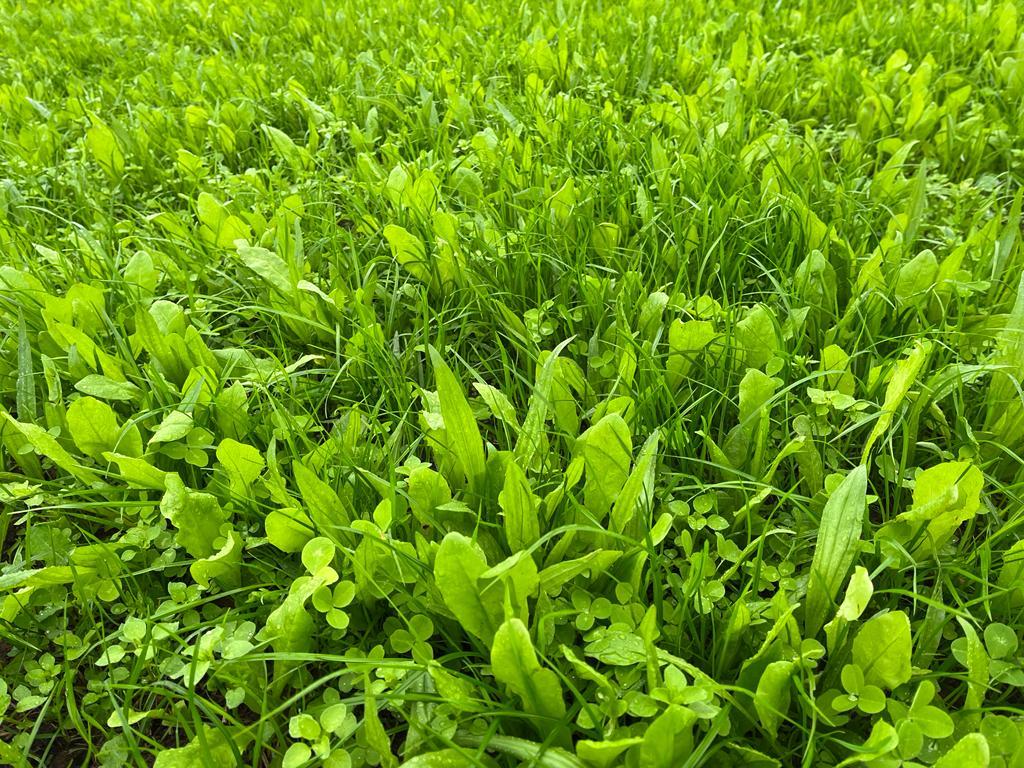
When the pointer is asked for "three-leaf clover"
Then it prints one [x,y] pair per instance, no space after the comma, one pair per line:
[414,638]
[1001,644]
[869,699]
[332,602]
[921,719]
[1004,739]
[589,609]
[315,737]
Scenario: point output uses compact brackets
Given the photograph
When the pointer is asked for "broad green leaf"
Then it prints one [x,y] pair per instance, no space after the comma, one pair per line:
[170,223]
[45,444]
[815,283]
[37,577]
[106,388]
[1004,407]
[637,496]
[242,462]
[617,648]
[141,272]
[668,740]
[858,593]
[211,750]
[519,507]
[569,390]
[409,251]
[916,197]
[463,435]
[605,239]
[812,473]
[468,184]
[882,649]
[771,700]
[904,376]
[651,313]
[945,496]
[754,758]
[757,336]
[271,269]
[326,509]
[1011,576]
[105,148]
[556,575]
[317,553]
[297,157]
[289,628]
[915,278]
[175,426]
[515,664]
[587,672]
[756,393]
[972,750]
[541,755]
[217,226]
[456,690]
[605,754]
[563,202]
[303,726]
[933,722]
[836,547]
[297,755]
[197,517]
[1000,640]
[686,340]
[835,365]
[95,429]
[288,529]
[458,566]
[530,444]
[223,566]
[427,491]
[607,449]
[154,335]
[138,472]
[498,404]
[882,740]
[511,583]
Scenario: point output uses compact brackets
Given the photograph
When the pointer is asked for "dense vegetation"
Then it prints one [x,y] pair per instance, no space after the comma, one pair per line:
[556,384]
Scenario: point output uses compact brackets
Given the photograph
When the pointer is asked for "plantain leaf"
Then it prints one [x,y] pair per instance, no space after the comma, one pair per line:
[637,494]
[519,505]
[460,426]
[326,509]
[515,664]
[606,448]
[882,649]
[531,438]
[904,376]
[458,566]
[836,548]
[771,700]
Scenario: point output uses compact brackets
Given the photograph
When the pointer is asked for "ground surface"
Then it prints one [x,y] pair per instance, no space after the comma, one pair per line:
[491,384]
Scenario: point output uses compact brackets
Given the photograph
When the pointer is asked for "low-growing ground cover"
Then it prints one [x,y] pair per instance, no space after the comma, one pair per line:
[554,384]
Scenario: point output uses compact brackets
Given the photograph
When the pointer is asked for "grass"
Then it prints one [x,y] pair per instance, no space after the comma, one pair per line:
[552,384]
